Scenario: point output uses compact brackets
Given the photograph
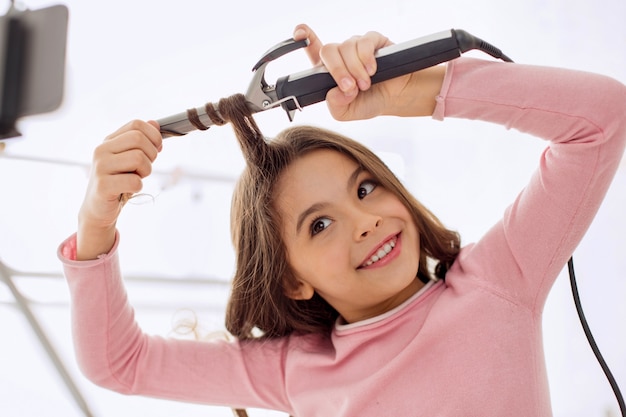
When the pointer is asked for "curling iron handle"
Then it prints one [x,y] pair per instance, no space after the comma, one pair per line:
[309,87]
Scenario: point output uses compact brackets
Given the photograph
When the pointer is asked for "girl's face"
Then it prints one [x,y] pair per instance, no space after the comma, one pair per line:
[347,238]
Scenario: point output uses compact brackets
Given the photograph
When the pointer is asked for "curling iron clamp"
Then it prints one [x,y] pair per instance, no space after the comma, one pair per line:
[295,91]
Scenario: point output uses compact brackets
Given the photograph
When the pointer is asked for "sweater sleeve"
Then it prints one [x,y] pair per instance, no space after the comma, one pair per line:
[583,118]
[114,353]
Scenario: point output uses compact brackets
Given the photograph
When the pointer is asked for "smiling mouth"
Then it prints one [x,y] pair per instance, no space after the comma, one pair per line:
[381,253]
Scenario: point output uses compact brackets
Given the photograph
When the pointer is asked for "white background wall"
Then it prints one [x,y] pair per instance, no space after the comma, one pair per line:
[145,59]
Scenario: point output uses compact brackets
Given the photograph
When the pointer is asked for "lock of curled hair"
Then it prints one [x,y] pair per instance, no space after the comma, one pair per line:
[258,306]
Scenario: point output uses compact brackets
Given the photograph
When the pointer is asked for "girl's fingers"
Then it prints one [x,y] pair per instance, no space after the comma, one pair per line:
[116,185]
[131,161]
[124,159]
[357,56]
[129,151]
[367,46]
[333,60]
[149,130]
[303,31]
[353,62]
[128,141]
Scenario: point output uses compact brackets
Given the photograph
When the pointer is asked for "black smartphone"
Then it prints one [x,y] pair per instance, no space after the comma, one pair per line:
[32,71]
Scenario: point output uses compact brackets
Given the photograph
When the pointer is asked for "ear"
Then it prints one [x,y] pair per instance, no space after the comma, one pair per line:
[302,291]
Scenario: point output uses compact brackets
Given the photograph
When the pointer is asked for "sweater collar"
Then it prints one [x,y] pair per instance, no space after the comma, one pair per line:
[341,326]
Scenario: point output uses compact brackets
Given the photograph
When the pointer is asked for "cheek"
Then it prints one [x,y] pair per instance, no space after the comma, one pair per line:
[320,259]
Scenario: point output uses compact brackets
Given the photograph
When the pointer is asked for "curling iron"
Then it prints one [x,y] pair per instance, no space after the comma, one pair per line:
[295,91]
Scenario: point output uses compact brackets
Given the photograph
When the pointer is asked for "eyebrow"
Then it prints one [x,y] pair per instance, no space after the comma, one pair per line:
[320,206]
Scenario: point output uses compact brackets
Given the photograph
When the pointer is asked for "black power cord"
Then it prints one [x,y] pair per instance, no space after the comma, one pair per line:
[590,338]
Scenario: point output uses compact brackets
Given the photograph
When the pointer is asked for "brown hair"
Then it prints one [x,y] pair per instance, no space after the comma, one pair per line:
[258,304]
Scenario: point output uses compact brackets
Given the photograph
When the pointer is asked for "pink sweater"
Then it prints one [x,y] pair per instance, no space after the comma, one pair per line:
[467,346]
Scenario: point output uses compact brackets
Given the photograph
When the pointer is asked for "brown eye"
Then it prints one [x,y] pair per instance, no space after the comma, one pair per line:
[365,188]
[319,225]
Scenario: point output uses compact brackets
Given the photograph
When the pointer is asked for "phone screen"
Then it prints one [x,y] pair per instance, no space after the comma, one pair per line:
[41,40]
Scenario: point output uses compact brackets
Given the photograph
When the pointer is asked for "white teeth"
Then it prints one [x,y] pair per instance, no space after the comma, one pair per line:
[382,252]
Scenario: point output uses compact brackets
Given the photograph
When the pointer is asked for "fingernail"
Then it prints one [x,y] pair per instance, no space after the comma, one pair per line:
[363,85]
[347,84]
[371,69]
[299,34]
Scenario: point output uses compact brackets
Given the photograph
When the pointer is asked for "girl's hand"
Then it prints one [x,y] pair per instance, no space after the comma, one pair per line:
[119,165]
[352,63]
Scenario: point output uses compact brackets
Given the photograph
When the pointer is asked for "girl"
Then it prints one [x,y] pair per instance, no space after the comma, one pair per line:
[349,297]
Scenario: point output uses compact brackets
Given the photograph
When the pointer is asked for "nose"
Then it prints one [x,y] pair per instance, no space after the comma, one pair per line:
[365,223]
